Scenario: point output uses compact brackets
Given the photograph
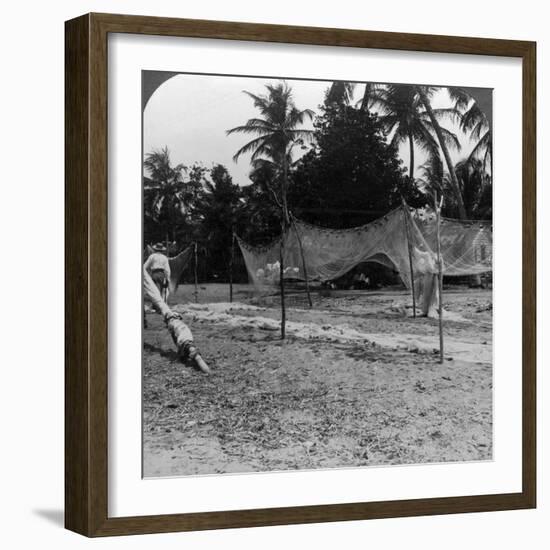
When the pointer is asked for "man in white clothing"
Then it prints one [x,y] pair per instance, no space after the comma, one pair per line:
[180,332]
[158,267]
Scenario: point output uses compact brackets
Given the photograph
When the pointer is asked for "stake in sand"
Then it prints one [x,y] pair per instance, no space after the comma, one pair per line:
[439,272]
[231,263]
[409,246]
[195,273]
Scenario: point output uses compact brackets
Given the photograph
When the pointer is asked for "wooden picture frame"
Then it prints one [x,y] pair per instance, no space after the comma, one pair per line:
[86,283]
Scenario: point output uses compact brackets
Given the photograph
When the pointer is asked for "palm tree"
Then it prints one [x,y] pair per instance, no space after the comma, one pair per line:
[340,92]
[370,94]
[432,176]
[475,121]
[166,194]
[400,106]
[474,181]
[277,131]
[476,187]
[424,93]
[219,210]
[403,114]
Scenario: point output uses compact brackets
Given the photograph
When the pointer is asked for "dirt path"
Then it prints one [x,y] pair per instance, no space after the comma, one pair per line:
[367,390]
[336,328]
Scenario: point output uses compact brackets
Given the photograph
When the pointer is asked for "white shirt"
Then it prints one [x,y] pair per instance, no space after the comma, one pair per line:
[157,261]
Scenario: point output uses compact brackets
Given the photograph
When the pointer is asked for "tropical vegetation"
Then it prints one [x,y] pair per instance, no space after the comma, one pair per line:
[338,165]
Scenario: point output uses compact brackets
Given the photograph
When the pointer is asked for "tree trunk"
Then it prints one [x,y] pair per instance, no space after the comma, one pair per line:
[282,284]
[286,217]
[285,222]
[449,162]
[366,97]
[411,149]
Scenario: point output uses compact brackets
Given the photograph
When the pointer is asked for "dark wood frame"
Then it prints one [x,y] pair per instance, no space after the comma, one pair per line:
[86,274]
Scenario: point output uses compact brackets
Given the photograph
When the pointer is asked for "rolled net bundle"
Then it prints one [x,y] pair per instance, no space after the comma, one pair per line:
[178,329]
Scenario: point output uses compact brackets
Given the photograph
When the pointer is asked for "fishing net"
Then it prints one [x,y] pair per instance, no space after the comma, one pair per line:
[466,246]
[330,253]
[177,264]
[400,238]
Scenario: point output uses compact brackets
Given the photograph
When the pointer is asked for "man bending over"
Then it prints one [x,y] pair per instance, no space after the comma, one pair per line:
[158,267]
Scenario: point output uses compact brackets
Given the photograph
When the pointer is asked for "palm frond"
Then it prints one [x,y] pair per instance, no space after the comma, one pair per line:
[477,130]
[425,140]
[485,143]
[451,140]
[460,97]
[473,116]
[249,147]
[449,113]
[340,91]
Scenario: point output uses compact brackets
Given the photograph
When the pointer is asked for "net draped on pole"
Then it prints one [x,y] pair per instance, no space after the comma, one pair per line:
[177,264]
[330,253]
[466,246]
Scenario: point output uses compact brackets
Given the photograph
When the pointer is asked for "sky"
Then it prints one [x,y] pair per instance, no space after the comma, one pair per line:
[190,114]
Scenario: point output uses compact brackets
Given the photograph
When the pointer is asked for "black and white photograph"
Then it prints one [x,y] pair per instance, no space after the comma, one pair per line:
[317,274]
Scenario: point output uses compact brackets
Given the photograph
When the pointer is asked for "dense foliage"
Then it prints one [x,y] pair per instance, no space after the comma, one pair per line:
[351,176]
[350,172]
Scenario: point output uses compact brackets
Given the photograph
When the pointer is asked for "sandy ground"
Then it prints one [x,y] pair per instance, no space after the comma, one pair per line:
[357,382]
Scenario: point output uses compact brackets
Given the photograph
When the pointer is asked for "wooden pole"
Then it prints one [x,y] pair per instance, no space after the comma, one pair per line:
[409,246]
[285,223]
[303,260]
[196,276]
[165,289]
[439,273]
[282,285]
[231,260]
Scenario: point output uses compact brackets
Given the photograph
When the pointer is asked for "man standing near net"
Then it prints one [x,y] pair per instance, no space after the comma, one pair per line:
[158,267]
